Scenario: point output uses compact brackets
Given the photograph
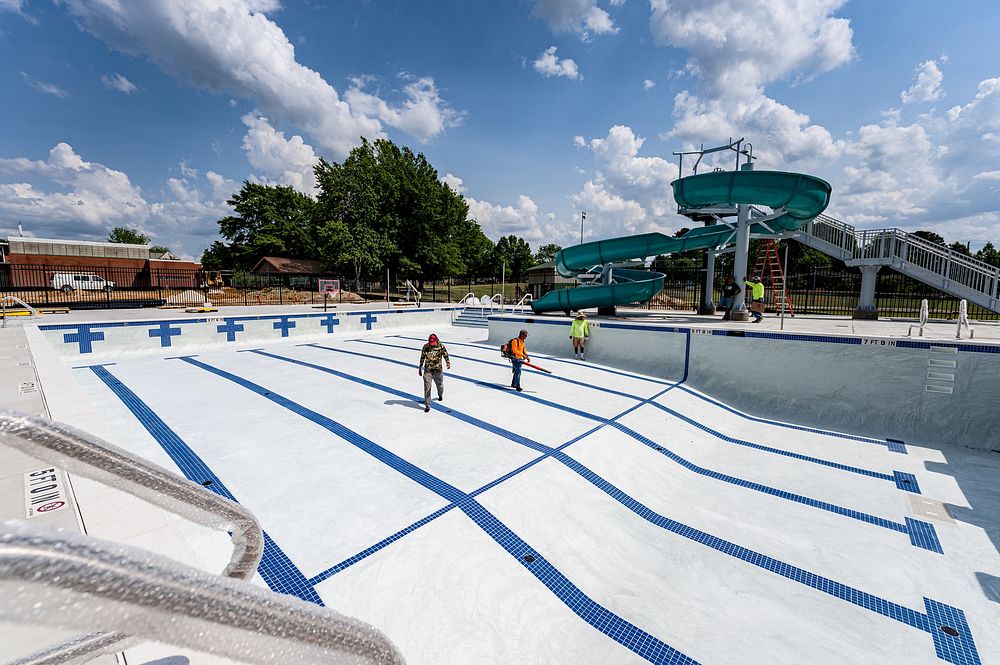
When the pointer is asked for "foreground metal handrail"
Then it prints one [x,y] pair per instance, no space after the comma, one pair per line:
[14,300]
[80,583]
[91,457]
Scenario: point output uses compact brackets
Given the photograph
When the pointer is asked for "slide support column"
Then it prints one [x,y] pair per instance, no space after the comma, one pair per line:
[866,305]
[740,311]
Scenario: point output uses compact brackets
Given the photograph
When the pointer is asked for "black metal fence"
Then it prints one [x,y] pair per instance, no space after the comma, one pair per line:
[817,291]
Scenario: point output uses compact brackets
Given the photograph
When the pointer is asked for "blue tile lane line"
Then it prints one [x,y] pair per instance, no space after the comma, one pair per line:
[894,445]
[275,567]
[625,633]
[934,545]
[962,645]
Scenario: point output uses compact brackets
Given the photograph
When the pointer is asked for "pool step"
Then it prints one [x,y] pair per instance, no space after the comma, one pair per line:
[472,317]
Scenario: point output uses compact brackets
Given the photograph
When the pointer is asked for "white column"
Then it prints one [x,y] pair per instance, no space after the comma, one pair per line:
[866,304]
[740,312]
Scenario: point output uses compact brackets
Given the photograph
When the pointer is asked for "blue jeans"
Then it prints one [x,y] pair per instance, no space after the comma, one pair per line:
[516,381]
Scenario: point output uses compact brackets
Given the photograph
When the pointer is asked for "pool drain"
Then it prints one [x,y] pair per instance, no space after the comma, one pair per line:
[948,630]
[530,559]
[206,483]
[904,480]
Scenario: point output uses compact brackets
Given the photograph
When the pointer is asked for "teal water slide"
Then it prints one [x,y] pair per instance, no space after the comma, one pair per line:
[797,198]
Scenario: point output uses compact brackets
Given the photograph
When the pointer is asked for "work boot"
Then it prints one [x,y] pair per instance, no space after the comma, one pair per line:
[519,389]
[426,409]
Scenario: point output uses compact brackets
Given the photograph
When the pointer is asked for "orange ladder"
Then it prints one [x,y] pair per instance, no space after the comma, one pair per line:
[767,260]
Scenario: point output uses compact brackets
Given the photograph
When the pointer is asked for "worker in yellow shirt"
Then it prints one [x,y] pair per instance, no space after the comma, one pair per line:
[756,298]
[579,332]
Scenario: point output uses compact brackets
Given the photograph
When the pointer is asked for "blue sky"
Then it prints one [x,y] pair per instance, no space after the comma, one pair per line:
[151,113]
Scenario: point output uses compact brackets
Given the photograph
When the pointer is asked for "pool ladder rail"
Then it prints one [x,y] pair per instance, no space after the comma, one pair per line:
[146,597]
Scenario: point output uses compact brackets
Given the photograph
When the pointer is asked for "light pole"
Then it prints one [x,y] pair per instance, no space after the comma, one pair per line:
[583,216]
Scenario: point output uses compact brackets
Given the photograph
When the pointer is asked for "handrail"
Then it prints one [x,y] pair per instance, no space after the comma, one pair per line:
[14,300]
[522,303]
[89,456]
[79,583]
[465,299]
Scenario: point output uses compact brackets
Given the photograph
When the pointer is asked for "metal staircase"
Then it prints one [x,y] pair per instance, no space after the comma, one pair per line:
[939,266]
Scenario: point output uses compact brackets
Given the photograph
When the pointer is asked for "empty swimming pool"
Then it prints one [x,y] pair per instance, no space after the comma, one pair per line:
[598,516]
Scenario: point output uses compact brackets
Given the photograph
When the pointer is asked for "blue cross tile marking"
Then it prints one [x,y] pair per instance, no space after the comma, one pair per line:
[512,543]
[625,633]
[368,320]
[275,567]
[329,321]
[922,534]
[906,481]
[85,337]
[959,649]
[669,454]
[896,446]
[230,328]
[165,332]
[284,325]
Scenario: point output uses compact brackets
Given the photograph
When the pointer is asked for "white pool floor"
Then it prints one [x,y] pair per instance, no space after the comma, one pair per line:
[597,517]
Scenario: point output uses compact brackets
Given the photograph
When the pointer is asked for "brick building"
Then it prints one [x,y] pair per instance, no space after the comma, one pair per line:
[32,262]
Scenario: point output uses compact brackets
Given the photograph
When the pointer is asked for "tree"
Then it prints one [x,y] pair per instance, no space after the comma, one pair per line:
[159,249]
[960,248]
[516,254]
[269,221]
[128,236]
[547,253]
[989,254]
[929,235]
[362,250]
[396,194]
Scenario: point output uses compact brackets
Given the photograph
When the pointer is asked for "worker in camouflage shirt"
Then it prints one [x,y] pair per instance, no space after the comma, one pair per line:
[431,356]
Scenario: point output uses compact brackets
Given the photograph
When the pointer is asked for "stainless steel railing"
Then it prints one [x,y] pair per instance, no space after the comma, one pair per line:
[78,583]
[91,457]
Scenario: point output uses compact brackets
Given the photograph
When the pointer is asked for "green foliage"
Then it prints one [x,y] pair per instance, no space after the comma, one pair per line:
[128,236]
[269,221]
[989,254]
[516,254]
[547,253]
[929,235]
[418,226]
[960,248]
[158,249]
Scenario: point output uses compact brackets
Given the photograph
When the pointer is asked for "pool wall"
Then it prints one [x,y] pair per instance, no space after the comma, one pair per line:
[176,336]
[931,393]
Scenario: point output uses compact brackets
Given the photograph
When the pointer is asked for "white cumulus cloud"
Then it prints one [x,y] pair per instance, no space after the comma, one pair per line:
[927,86]
[648,84]
[66,196]
[232,47]
[422,115]
[582,17]
[548,64]
[280,161]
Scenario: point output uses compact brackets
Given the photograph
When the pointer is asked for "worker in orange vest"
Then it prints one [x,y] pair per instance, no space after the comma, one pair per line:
[518,356]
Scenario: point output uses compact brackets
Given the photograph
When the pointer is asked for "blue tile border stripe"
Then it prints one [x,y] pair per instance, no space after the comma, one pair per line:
[674,457]
[841,591]
[625,633]
[906,482]
[275,567]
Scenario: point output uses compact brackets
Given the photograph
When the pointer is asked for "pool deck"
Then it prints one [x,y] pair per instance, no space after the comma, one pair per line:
[599,516]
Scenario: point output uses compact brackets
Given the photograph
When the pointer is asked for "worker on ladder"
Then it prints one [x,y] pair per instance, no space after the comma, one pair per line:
[756,288]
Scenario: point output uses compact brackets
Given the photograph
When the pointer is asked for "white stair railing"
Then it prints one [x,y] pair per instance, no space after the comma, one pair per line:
[940,266]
